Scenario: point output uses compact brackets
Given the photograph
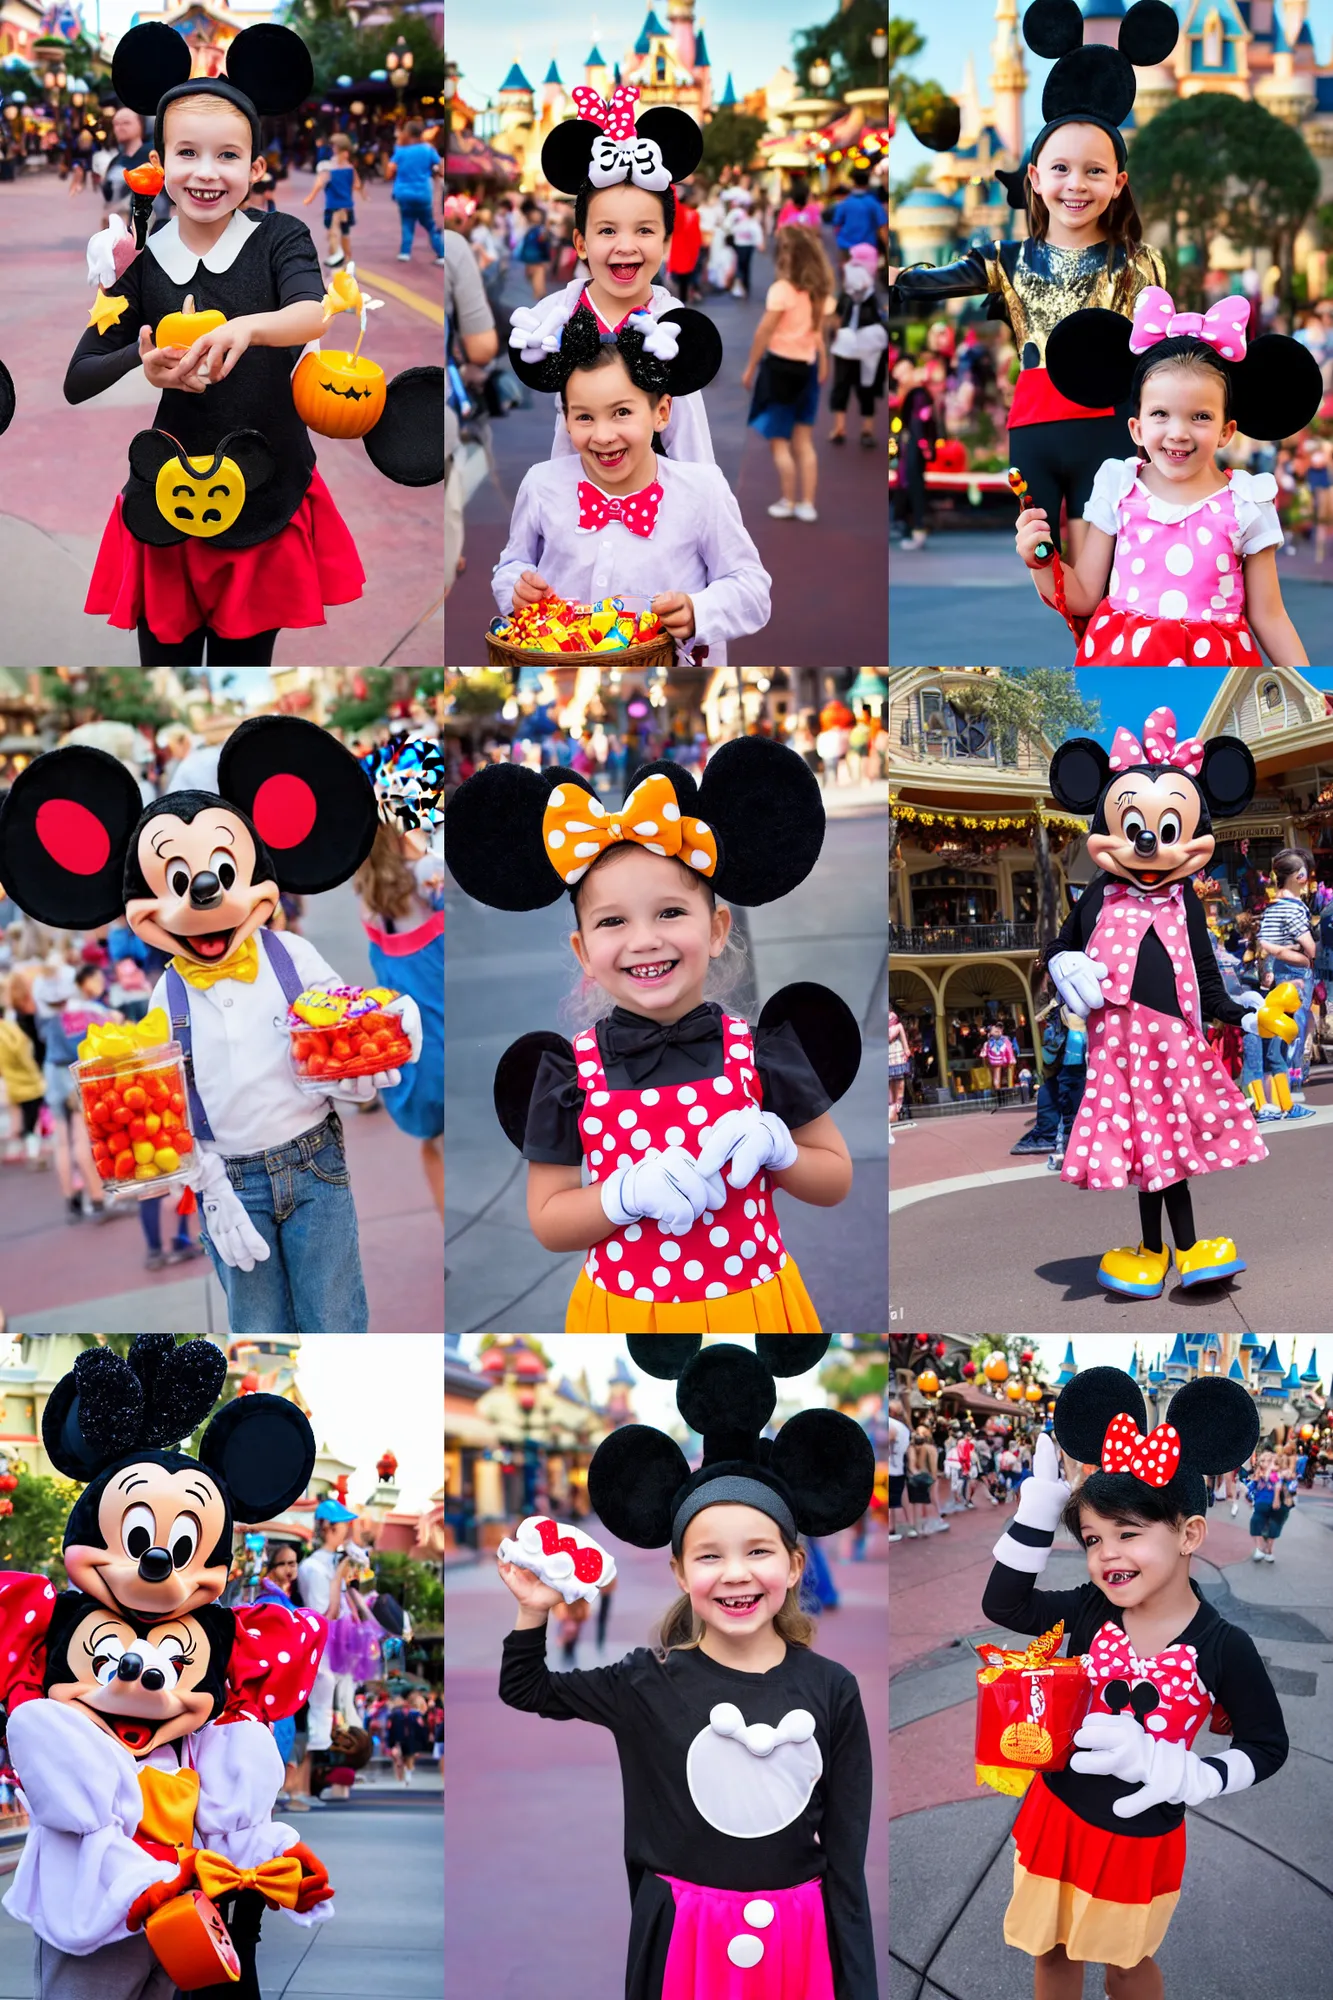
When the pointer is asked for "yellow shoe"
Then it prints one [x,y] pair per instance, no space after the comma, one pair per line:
[1257,1098]
[1281,1090]
[1139,1274]
[1211,1258]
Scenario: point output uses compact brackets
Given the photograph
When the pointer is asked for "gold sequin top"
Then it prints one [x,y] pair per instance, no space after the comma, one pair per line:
[1044,284]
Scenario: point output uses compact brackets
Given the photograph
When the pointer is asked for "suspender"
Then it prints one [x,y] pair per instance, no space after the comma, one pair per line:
[178,1001]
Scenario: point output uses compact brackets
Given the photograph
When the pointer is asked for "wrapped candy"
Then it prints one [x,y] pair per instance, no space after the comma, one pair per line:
[1029,1706]
[342,1031]
[557,626]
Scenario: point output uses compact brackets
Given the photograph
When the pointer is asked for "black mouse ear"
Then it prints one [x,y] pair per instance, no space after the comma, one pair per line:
[493,844]
[1086,1406]
[1148,33]
[1217,1422]
[149,61]
[515,1076]
[935,120]
[676,136]
[7,399]
[681,782]
[580,340]
[825,1027]
[1093,81]
[1144,1698]
[663,1354]
[1051,28]
[1014,182]
[634,1476]
[726,1393]
[698,353]
[1228,777]
[94,1415]
[1079,771]
[65,830]
[407,443]
[828,1464]
[567,154]
[1089,360]
[180,1385]
[250,451]
[766,803]
[1116,1695]
[791,1353]
[272,66]
[150,450]
[1276,389]
[309,800]
[261,1451]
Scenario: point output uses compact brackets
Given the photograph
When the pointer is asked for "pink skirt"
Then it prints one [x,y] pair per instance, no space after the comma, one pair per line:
[1158,1107]
[736,1944]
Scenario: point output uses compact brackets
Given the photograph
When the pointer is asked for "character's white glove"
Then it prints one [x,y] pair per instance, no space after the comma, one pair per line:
[1041,1502]
[536,329]
[230,1229]
[110,254]
[1252,1001]
[1078,980]
[1167,1774]
[667,1187]
[751,1139]
[410,1014]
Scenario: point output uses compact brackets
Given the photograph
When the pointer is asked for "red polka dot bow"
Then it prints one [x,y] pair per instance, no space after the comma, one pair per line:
[619,152]
[637,511]
[617,117]
[576,828]
[1153,1459]
[1159,746]
[1222,327]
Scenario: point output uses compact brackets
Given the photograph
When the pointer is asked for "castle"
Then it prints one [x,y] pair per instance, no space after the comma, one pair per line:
[1259,49]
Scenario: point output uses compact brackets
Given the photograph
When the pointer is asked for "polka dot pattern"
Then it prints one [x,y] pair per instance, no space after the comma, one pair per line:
[1183,1701]
[1153,1459]
[576,827]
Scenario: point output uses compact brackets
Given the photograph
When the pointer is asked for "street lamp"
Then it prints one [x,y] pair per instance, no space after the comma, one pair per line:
[879,49]
[450,82]
[398,62]
[820,74]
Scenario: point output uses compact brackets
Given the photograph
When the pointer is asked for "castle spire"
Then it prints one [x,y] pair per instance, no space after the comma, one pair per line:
[1009,77]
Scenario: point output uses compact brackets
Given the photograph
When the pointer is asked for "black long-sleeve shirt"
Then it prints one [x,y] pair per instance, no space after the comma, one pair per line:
[1154,981]
[656,1710]
[1228,1664]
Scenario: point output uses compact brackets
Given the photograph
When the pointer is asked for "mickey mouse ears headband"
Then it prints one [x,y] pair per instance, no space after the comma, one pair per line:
[1273,391]
[671,356]
[1222,768]
[69,828]
[816,1478]
[268,71]
[607,146]
[759,811]
[1212,1426]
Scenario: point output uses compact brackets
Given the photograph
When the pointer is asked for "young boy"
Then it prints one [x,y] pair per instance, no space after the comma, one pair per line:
[340,182]
[1286,937]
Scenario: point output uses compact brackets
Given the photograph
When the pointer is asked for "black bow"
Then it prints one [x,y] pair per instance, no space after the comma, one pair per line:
[638,1044]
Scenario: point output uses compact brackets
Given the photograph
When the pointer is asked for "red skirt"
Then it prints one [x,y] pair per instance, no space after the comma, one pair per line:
[1129,639]
[284,582]
[1107,1897]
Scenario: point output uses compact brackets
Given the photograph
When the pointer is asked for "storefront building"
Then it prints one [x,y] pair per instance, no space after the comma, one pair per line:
[1286,718]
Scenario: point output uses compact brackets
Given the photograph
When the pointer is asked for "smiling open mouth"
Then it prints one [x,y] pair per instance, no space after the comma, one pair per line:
[211,945]
[646,974]
[738,1607]
[131,1730]
[1114,1578]
[1150,877]
[206,195]
[624,274]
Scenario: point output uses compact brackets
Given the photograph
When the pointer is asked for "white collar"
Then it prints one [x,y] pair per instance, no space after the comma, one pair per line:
[182,264]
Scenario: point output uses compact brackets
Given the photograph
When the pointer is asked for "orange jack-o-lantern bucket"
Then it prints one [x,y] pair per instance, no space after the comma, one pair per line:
[192,1944]
[339,395]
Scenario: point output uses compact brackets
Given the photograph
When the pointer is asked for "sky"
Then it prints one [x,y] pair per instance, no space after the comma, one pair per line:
[1128,695]
[1116,1350]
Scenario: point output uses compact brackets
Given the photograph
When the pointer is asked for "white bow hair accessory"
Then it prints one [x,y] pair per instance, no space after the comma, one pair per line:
[760,1738]
[559,1570]
[660,337]
[638,160]
[536,330]
[110,253]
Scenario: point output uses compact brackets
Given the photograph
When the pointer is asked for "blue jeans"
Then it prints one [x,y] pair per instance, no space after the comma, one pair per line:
[1070,1082]
[1047,1127]
[150,1221]
[411,211]
[299,1198]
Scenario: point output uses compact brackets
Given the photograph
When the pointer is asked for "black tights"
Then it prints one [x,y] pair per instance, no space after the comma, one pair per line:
[254,651]
[1179,1213]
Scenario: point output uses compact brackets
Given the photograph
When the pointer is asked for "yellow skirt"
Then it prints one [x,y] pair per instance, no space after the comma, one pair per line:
[781,1305]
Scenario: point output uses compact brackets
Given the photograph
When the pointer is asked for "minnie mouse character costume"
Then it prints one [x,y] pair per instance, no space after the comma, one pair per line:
[1134,959]
[1100,1846]
[138,1706]
[729,1775]
[196,875]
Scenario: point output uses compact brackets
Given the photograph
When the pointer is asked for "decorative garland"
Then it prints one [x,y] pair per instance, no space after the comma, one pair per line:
[983,823]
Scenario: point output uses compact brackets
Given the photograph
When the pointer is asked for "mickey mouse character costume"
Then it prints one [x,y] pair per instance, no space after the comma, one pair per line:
[747,1795]
[198,875]
[225,531]
[636,1095]
[138,1707]
[1134,959]
[1100,1846]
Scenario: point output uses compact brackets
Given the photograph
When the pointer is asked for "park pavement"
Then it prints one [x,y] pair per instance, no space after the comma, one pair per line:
[536,1805]
[965,600]
[506,974]
[1253,1915]
[61,467]
[977,1238]
[57,1277]
[829,576]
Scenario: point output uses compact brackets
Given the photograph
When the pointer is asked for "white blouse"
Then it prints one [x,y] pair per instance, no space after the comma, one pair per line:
[1254,495]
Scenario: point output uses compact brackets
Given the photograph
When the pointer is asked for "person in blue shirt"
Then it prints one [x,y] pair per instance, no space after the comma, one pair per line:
[338,178]
[860,217]
[413,170]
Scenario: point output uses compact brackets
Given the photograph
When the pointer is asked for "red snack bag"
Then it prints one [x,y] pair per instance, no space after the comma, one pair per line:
[1029,1707]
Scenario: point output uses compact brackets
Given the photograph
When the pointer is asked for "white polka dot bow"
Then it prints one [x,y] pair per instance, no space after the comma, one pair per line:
[1153,1459]
[576,828]
[1223,327]
[1159,746]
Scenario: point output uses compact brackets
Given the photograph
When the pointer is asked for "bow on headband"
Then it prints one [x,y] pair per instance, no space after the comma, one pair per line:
[1159,746]
[1222,327]
[278,1881]
[618,153]
[1152,1459]
[576,828]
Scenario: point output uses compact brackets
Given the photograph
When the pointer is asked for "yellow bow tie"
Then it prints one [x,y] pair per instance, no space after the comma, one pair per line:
[243,964]
[278,1880]
[576,828]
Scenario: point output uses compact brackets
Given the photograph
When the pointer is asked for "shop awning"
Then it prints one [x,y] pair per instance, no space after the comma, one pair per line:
[462,1428]
[470,158]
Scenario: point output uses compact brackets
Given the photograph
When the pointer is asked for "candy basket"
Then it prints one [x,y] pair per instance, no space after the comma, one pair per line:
[659,652]
[357,1038]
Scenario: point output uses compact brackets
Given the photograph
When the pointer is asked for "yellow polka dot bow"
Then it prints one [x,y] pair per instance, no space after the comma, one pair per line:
[576,828]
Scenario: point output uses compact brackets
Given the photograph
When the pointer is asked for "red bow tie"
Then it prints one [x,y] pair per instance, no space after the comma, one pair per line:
[1153,1458]
[637,511]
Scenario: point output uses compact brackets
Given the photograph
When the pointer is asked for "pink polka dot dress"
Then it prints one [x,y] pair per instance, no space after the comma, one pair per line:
[1176,595]
[1159,1107]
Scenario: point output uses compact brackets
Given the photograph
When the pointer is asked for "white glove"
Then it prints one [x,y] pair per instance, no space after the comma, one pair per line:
[230,1229]
[667,1187]
[1041,1501]
[1078,980]
[536,329]
[751,1139]
[1253,1001]
[1167,1774]
[409,1013]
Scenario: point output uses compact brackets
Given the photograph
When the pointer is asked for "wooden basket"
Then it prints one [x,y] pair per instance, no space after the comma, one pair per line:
[659,652]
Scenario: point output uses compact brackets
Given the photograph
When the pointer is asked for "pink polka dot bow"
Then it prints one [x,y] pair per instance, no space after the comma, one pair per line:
[637,511]
[619,152]
[1159,746]
[577,828]
[1153,1459]
[1222,327]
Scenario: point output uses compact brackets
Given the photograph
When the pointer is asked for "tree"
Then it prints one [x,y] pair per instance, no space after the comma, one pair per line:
[844,43]
[917,100]
[921,175]
[416,1586]
[351,712]
[731,139]
[1273,187]
[31,1537]
[338,48]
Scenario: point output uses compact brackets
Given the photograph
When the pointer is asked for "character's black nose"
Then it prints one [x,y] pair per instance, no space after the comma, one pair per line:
[155,1565]
[1145,843]
[129,1667]
[154,1679]
[205,890]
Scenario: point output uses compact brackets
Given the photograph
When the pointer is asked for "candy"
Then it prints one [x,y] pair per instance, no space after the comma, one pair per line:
[342,1031]
[557,626]
[129,1078]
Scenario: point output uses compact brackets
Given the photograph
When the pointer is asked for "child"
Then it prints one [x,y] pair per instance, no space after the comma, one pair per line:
[1272,1495]
[668,1085]
[746,232]
[534,252]
[912,441]
[224,532]
[25,1087]
[339,180]
[620,177]
[788,362]
[1100,1846]
[998,1055]
[860,348]
[1179,558]
[744,1754]
[1286,938]
[1071,1080]
[619,520]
